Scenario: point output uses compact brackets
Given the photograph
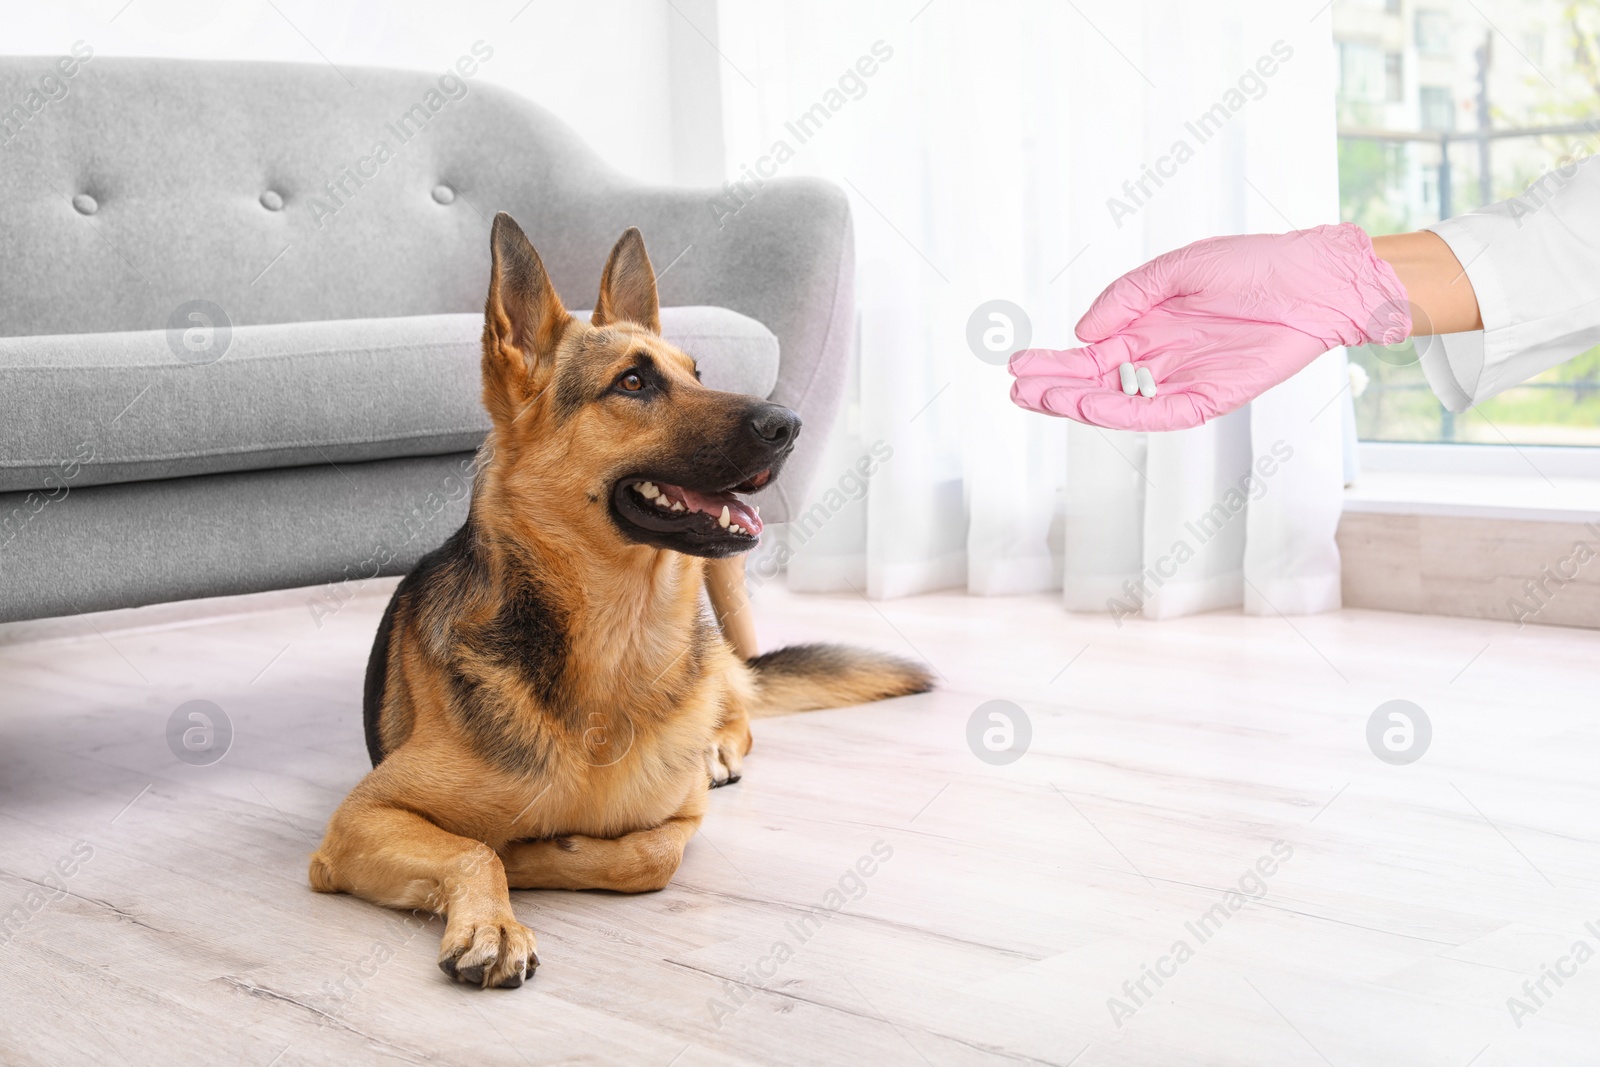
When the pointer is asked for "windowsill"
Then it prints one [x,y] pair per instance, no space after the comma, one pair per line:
[1527,483]
[1529,499]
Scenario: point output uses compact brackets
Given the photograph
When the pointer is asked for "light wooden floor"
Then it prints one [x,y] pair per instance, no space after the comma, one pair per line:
[1166,759]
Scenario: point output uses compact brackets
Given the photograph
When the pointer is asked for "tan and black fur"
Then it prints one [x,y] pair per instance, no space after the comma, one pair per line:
[546,703]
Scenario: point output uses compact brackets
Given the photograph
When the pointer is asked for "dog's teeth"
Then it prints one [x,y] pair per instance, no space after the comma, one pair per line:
[677,505]
[736,528]
[758,511]
[723,520]
[661,501]
[648,490]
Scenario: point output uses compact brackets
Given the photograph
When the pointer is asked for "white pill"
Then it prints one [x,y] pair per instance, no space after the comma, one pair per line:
[1147,383]
[1130,384]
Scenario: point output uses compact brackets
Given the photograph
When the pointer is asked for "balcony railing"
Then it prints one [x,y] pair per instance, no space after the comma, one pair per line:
[1483,137]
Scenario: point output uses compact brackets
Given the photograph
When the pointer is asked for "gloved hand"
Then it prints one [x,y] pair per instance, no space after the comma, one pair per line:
[1217,323]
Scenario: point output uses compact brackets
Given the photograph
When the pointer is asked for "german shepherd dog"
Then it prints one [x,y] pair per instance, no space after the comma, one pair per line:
[547,703]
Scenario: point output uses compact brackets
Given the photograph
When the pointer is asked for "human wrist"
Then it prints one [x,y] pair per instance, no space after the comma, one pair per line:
[1441,294]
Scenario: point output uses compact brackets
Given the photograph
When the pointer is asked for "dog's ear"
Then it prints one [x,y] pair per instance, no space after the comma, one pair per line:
[628,286]
[523,319]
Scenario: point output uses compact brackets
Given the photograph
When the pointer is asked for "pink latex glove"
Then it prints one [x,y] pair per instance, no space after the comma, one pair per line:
[1217,323]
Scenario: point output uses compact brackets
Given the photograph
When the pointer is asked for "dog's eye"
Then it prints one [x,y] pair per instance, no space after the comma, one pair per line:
[631,382]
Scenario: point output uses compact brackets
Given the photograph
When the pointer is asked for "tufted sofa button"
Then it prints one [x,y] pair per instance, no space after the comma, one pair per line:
[271,201]
[444,194]
[86,204]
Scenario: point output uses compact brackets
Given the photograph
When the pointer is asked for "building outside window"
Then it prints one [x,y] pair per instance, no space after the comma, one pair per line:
[1394,80]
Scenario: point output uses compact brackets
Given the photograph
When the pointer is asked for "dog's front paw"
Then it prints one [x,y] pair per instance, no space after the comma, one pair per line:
[725,753]
[488,954]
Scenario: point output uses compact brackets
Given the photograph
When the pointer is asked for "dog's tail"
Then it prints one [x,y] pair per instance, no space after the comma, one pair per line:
[811,677]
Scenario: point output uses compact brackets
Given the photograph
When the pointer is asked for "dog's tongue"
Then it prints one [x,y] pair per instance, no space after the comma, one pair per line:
[713,503]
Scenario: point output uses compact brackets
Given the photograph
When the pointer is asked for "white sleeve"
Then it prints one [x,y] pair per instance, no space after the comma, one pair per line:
[1534,262]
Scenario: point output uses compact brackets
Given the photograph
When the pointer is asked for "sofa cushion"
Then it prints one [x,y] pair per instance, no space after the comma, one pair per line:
[87,409]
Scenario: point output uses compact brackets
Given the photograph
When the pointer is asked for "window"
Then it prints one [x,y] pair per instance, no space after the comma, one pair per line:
[1433,32]
[1403,182]
[1361,72]
[1428,191]
[1436,108]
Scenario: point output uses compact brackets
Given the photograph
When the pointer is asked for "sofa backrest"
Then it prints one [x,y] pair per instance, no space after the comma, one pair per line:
[280,192]
[179,158]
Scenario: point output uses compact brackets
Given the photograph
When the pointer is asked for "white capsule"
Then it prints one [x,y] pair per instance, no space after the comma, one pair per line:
[1147,383]
[1130,384]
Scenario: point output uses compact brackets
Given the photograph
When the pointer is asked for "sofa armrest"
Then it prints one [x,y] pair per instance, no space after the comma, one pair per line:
[785,257]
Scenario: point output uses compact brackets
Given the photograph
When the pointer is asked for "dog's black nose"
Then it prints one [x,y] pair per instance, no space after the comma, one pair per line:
[774,425]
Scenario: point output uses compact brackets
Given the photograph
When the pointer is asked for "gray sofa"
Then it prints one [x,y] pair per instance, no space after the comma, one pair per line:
[239,350]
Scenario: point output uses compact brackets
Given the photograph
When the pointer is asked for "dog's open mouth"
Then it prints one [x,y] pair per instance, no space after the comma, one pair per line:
[664,508]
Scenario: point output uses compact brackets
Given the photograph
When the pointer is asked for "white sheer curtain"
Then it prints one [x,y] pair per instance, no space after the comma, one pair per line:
[981,145]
